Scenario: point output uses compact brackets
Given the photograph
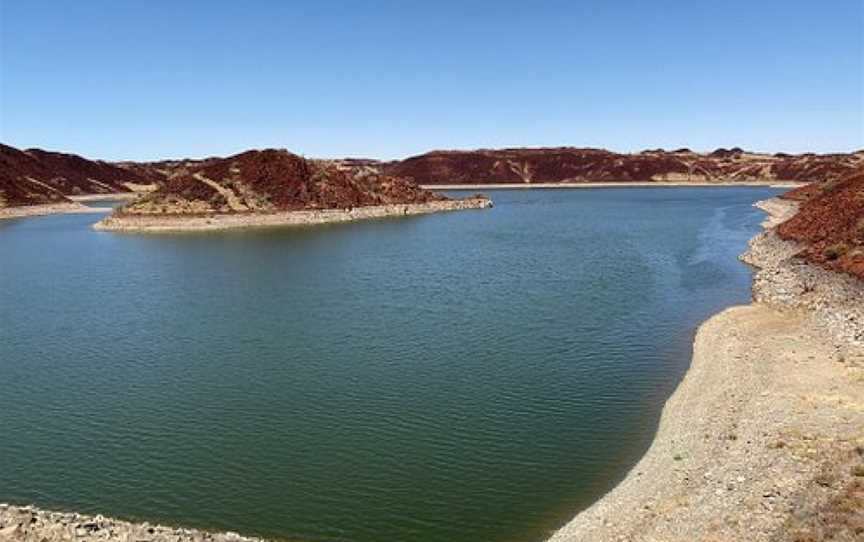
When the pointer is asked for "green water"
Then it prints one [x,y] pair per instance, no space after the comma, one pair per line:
[472,376]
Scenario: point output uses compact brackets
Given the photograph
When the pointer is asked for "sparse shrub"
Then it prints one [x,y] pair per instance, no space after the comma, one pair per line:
[831,185]
[836,251]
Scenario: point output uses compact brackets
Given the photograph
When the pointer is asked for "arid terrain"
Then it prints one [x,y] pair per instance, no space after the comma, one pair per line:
[764,438]
[275,187]
[274,180]
[35,176]
[575,165]
[831,224]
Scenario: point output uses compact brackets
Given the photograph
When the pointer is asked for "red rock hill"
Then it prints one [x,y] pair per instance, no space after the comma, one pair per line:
[271,180]
[35,176]
[830,221]
[567,164]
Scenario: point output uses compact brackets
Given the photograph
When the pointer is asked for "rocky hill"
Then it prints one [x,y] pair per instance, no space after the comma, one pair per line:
[273,180]
[830,223]
[35,176]
[567,164]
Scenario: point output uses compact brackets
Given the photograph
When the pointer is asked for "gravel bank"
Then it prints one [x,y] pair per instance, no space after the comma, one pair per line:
[763,440]
[28,524]
[179,223]
[47,209]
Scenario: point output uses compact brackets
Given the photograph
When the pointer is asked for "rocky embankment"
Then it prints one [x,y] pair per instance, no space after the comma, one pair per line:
[763,440]
[154,223]
[29,524]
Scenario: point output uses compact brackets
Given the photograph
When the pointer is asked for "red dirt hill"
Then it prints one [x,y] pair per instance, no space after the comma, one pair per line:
[566,164]
[830,221]
[271,180]
[35,176]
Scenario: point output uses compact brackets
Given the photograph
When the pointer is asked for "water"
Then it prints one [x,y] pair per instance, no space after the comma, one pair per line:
[474,376]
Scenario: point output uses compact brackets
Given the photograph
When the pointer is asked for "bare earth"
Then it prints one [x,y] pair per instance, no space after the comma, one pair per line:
[178,223]
[763,440]
[47,209]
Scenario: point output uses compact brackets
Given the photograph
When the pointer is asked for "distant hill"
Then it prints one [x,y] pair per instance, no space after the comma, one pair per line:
[282,179]
[568,164]
[35,176]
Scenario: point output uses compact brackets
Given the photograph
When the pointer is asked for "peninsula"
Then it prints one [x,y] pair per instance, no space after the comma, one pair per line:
[276,188]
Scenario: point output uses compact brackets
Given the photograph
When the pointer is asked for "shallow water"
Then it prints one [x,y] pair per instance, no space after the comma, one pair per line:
[468,376]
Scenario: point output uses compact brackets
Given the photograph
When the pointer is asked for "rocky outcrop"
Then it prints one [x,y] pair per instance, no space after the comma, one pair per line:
[29,524]
[785,279]
[575,165]
[830,224]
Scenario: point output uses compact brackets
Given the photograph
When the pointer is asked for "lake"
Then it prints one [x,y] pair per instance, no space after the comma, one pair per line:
[470,376]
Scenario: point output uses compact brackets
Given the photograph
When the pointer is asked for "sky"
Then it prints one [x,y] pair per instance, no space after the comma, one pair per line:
[144,80]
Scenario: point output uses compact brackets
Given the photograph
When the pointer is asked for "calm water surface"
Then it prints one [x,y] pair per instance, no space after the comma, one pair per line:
[475,376]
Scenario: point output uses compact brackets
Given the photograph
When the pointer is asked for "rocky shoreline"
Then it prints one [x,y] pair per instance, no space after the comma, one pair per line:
[24,211]
[123,222]
[29,524]
[763,440]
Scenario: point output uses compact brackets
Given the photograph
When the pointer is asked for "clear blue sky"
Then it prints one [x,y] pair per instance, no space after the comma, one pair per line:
[149,79]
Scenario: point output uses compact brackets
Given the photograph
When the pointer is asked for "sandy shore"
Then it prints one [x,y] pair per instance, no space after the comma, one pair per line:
[117,196]
[763,439]
[657,184]
[179,223]
[48,209]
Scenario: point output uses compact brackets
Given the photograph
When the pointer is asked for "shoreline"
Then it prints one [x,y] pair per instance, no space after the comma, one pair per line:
[25,211]
[763,439]
[31,524]
[764,436]
[116,196]
[219,222]
[637,184]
